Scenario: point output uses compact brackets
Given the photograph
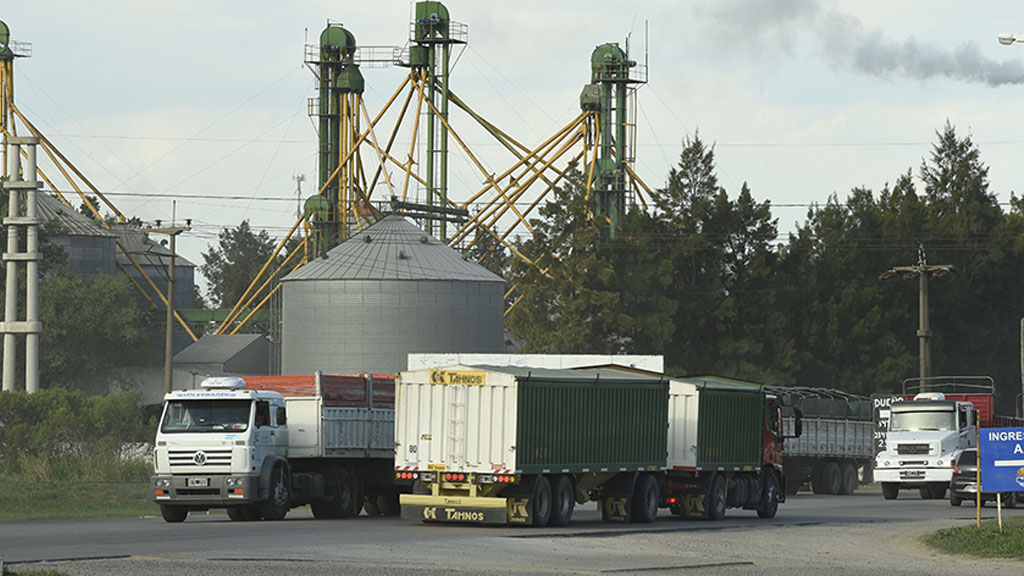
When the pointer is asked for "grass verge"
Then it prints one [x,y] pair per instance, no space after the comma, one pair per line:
[23,500]
[985,541]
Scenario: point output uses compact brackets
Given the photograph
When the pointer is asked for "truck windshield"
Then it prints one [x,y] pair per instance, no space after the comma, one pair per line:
[924,420]
[206,416]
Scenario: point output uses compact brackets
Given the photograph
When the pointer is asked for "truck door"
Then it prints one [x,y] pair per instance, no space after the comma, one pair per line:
[266,439]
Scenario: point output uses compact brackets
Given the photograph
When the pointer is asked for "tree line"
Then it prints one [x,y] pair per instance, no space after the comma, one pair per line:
[705,279]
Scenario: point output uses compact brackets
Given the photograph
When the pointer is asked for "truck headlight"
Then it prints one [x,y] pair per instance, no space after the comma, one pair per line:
[163,482]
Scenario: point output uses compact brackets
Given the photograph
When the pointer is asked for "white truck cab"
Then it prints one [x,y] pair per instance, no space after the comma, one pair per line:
[924,436]
[214,444]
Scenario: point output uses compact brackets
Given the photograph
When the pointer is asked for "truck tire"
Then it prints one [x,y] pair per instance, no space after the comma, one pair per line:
[954,500]
[645,499]
[817,483]
[338,503]
[563,501]
[389,504]
[717,499]
[938,491]
[1010,501]
[278,501]
[371,506]
[235,514]
[831,479]
[252,514]
[890,490]
[540,501]
[926,492]
[769,505]
[173,514]
[848,475]
[357,495]
[793,484]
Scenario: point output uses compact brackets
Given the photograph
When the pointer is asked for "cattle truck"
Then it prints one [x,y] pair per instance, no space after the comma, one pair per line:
[939,417]
[836,447]
[499,444]
[258,446]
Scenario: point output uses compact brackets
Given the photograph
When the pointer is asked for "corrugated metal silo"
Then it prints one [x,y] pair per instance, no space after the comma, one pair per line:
[387,291]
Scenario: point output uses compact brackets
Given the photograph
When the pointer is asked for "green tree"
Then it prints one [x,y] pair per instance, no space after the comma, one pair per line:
[89,326]
[567,302]
[976,312]
[234,262]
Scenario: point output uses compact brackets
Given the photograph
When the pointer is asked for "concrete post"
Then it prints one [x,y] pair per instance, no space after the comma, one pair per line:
[11,286]
[31,277]
[23,189]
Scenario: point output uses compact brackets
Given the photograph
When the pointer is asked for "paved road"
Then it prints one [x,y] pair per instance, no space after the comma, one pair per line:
[812,535]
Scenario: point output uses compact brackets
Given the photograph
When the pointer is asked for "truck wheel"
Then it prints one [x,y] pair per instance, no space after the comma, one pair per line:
[769,504]
[645,499]
[173,513]
[848,474]
[716,499]
[541,501]
[236,514]
[793,484]
[370,506]
[830,478]
[817,482]
[890,490]
[357,495]
[563,500]
[338,503]
[276,506]
[925,492]
[1010,501]
[938,491]
[954,500]
[389,504]
[252,514]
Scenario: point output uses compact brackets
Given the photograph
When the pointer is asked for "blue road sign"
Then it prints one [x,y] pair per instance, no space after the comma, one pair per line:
[1002,459]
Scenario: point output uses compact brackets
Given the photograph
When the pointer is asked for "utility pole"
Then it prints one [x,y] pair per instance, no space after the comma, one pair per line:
[299,179]
[173,232]
[922,271]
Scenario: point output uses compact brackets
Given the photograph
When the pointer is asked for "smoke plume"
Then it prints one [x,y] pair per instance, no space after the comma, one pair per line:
[849,45]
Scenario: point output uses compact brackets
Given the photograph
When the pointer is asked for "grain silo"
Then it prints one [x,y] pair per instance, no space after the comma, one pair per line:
[390,290]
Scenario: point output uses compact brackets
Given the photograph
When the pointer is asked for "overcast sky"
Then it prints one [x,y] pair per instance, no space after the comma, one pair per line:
[204,102]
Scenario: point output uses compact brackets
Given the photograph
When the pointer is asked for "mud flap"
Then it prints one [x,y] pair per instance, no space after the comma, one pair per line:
[617,498]
[429,508]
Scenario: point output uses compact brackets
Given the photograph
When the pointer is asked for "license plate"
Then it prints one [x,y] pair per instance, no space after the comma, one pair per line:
[912,474]
[198,482]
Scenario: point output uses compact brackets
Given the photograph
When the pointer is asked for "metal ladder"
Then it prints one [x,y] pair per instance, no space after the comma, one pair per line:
[456,426]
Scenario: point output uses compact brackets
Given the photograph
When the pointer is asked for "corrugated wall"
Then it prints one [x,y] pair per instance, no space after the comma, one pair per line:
[357,326]
[730,429]
[592,425]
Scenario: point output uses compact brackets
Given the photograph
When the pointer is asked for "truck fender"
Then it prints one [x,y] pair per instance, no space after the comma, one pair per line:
[780,481]
[621,485]
[267,470]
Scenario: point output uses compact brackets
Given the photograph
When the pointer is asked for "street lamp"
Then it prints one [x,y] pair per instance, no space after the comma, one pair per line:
[1008,39]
